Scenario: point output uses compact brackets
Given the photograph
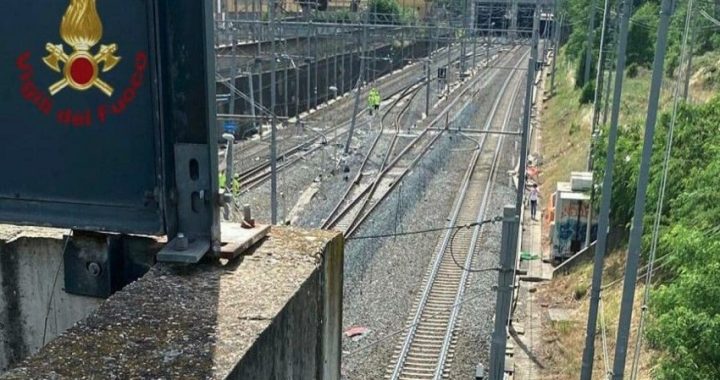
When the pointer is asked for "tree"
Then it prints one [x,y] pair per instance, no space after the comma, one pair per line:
[642,35]
[388,12]
[685,321]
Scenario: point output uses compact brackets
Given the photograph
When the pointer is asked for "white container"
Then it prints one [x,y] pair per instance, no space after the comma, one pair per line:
[581,181]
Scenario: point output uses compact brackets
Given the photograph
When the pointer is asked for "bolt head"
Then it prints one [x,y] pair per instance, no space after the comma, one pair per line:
[94,269]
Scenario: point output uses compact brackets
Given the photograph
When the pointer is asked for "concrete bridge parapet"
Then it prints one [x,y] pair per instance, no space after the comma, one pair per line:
[275,312]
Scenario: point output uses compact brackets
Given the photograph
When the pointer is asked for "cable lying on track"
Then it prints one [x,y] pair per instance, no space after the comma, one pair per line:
[458,227]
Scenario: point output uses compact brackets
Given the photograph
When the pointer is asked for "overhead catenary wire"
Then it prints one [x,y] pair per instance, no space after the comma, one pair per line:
[456,227]
[452,253]
[54,284]
[603,332]
[640,276]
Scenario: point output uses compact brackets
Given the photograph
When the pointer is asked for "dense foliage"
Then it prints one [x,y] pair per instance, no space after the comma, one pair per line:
[684,314]
[642,34]
[390,12]
[685,308]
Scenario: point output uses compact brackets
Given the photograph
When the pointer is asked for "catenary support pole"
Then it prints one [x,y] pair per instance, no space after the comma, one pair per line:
[335,53]
[463,37]
[514,20]
[489,37]
[449,63]
[297,91]
[251,78]
[597,99]
[358,87]
[609,81]
[233,76]
[308,43]
[636,229]
[261,98]
[556,52]
[658,216]
[285,91]
[606,198]
[688,67]
[508,251]
[428,63]
[511,225]
[553,40]
[527,113]
[589,42]
[316,59]
[273,117]
[474,36]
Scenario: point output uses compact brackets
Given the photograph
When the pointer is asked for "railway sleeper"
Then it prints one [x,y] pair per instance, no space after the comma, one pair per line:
[418,362]
[437,326]
[415,375]
[443,291]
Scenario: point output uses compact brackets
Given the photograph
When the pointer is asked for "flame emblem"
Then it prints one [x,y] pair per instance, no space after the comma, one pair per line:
[82,29]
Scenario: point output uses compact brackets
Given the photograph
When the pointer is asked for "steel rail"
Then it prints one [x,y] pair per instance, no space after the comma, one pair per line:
[366,194]
[473,242]
[362,216]
[424,298]
[250,178]
[338,211]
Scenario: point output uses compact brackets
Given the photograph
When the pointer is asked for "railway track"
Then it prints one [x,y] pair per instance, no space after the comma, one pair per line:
[259,173]
[427,349]
[363,180]
[362,198]
[389,85]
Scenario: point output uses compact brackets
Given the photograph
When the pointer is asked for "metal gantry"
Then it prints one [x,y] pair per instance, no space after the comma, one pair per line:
[278,58]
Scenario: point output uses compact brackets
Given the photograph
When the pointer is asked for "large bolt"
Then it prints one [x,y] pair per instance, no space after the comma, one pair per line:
[94,269]
[248,221]
[247,214]
[181,243]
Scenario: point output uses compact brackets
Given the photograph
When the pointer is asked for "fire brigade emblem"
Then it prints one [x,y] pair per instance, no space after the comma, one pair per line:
[81,28]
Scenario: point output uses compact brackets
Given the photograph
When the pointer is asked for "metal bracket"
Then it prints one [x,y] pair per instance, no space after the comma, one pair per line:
[181,250]
[98,265]
[194,205]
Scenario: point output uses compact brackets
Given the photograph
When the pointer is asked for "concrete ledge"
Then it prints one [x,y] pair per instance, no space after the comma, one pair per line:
[274,313]
[34,309]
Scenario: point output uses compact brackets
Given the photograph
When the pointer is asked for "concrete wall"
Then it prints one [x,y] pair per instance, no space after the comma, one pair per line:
[273,313]
[298,344]
[340,70]
[34,309]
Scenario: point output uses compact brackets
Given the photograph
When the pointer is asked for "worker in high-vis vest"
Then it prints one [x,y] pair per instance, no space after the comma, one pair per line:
[373,100]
